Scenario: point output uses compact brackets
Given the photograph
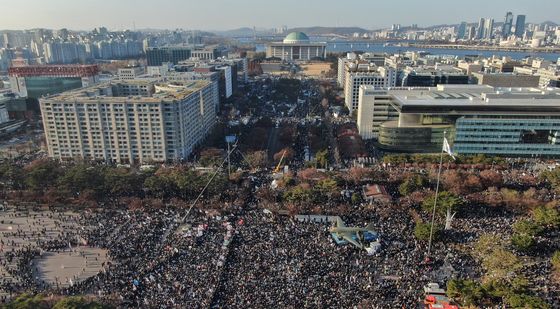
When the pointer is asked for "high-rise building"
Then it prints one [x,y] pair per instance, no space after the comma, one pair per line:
[506,27]
[472,33]
[489,29]
[520,26]
[156,56]
[480,29]
[129,121]
[462,31]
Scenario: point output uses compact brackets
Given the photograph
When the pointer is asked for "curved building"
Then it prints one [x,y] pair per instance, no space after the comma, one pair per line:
[296,46]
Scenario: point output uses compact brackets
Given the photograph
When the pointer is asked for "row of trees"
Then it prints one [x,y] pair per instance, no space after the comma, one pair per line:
[434,159]
[84,181]
[39,301]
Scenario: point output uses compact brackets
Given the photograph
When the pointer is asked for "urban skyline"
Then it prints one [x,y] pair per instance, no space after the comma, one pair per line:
[128,15]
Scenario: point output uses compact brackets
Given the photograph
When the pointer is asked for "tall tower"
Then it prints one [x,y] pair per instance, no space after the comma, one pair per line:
[508,23]
[462,31]
[489,29]
[520,26]
[480,30]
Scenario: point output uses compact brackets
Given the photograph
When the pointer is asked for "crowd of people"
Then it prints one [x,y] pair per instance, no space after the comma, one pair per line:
[250,258]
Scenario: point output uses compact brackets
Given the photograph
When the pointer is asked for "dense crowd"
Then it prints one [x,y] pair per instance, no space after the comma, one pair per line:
[254,259]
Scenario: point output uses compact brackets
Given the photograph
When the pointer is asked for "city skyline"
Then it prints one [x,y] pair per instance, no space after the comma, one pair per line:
[220,15]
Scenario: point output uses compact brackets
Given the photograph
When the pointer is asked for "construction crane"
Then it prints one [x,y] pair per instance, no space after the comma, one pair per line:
[277,169]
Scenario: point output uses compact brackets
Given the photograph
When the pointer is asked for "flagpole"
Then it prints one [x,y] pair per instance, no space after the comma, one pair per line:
[436,198]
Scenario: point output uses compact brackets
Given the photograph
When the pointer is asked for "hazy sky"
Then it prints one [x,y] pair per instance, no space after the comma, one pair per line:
[230,14]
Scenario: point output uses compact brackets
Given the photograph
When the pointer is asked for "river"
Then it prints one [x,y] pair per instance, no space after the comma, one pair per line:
[344,46]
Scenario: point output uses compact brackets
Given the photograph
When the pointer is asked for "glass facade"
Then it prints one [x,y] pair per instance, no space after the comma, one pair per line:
[420,139]
[40,86]
[507,135]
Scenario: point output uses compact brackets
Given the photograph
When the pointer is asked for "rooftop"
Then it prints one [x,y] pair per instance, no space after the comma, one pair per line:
[471,98]
[158,91]
[296,37]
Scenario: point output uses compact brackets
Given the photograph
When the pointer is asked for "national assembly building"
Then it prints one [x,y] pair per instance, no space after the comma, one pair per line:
[296,47]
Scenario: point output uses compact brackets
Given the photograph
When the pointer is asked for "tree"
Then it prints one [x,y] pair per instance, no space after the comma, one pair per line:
[467,292]
[356,198]
[257,159]
[523,242]
[486,245]
[41,174]
[413,183]
[78,302]
[556,261]
[491,178]
[82,177]
[11,175]
[288,154]
[324,189]
[322,158]
[546,216]
[298,195]
[552,177]
[422,231]
[27,301]
[501,264]
[447,202]
[527,227]
[525,301]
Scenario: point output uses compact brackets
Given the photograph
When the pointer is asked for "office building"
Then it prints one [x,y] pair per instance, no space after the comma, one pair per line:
[35,81]
[156,56]
[520,26]
[137,121]
[506,27]
[431,76]
[506,80]
[296,46]
[205,53]
[476,119]
[129,73]
[480,29]
[370,75]
[462,31]
[489,29]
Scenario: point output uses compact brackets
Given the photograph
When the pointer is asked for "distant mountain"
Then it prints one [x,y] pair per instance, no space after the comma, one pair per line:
[330,30]
[245,31]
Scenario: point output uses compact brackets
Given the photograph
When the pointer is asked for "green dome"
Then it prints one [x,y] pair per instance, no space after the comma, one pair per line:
[296,37]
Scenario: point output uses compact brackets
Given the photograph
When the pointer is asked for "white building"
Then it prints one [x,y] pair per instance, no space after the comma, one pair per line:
[296,46]
[129,73]
[129,121]
[376,110]
[379,77]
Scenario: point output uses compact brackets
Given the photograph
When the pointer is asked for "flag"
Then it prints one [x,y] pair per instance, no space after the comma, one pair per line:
[447,148]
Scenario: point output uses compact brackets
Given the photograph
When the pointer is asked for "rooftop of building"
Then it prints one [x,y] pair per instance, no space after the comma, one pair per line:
[297,37]
[157,89]
[464,98]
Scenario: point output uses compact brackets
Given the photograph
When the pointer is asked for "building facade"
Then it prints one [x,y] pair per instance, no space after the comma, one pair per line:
[296,46]
[379,77]
[138,121]
[476,119]
[35,81]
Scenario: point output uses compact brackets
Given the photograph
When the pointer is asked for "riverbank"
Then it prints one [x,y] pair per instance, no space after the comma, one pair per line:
[555,50]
